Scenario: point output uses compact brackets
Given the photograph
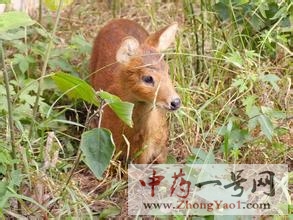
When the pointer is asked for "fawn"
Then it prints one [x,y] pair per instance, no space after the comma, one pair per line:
[126,61]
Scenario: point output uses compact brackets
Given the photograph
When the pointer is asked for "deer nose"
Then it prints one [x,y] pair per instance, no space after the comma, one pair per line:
[175,104]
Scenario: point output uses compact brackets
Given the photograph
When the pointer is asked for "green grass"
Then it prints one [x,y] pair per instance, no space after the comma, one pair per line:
[231,64]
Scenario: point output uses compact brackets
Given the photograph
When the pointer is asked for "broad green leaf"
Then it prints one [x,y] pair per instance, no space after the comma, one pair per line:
[22,111]
[248,102]
[252,114]
[240,83]
[30,85]
[202,157]
[4,194]
[272,113]
[122,109]
[241,2]
[266,110]
[44,33]
[53,4]
[109,98]
[254,111]
[23,65]
[256,22]
[75,87]
[15,35]
[16,177]
[98,147]
[62,64]
[29,99]
[3,104]
[229,126]
[263,8]
[5,157]
[235,58]
[23,62]
[272,79]
[13,19]
[251,54]
[223,10]
[281,12]
[3,188]
[81,44]
[266,126]
[30,200]
[109,212]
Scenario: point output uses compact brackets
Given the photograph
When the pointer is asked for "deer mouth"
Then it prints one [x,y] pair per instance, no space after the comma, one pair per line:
[170,107]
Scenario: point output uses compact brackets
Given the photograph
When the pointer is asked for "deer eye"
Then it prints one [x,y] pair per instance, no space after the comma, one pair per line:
[148,79]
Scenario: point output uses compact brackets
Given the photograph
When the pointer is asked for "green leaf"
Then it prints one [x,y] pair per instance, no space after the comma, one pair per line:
[108,97]
[13,35]
[272,113]
[122,109]
[13,19]
[110,212]
[5,157]
[3,104]
[23,62]
[202,157]
[98,147]
[75,87]
[16,178]
[4,194]
[253,114]
[266,126]
[79,42]
[23,65]
[53,4]
[58,63]
[241,2]
[22,111]
[272,79]
[223,10]
[248,102]
[235,58]
[240,83]
[3,188]
[29,99]
[256,22]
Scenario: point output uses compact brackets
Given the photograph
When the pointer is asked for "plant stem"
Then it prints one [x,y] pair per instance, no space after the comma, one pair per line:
[76,162]
[9,106]
[40,11]
[202,18]
[47,56]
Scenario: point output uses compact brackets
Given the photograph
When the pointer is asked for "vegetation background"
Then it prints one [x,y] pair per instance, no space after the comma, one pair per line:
[232,64]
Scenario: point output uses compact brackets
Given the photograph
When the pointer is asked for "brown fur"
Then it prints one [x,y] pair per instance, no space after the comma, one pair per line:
[148,137]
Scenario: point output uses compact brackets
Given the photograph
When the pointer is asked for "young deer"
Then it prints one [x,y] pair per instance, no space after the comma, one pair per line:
[126,61]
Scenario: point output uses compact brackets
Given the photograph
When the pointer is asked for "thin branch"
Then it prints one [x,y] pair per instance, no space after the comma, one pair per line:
[9,105]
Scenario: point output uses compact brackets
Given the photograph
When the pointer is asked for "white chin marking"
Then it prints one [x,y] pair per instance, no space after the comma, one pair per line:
[163,106]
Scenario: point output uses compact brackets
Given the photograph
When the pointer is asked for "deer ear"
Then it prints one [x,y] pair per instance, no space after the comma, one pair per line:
[162,39]
[127,49]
